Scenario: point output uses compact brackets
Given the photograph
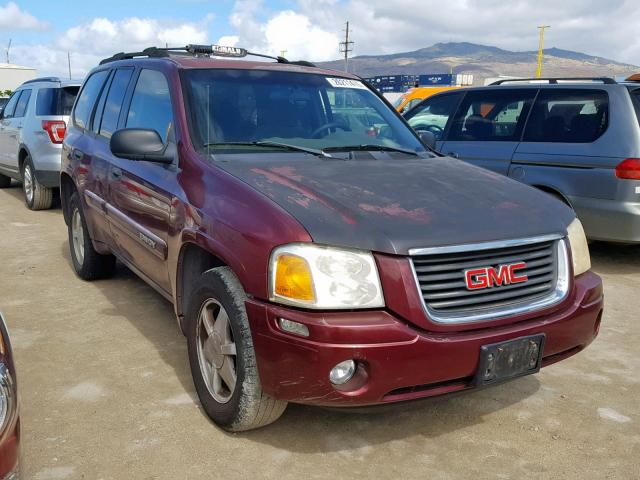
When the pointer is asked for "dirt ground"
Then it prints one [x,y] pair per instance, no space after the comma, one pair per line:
[106,391]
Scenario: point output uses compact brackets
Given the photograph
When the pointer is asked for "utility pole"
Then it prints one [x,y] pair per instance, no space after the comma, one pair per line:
[541,49]
[346,47]
[69,63]
[8,48]
[282,52]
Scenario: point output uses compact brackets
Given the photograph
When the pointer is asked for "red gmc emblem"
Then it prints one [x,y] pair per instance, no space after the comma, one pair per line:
[487,277]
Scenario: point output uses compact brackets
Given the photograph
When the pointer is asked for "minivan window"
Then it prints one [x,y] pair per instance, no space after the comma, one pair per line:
[113,102]
[87,100]
[235,110]
[492,115]
[11,105]
[55,101]
[151,104]
[568,116]
[23,104]
[433,115]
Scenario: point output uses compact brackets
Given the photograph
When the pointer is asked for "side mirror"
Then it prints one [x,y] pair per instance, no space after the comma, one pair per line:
[428,138]
[140,144]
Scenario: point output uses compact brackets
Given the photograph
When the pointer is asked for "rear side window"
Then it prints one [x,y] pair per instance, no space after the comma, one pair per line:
[11,105]
[492,115]
[568,116]
[635,98]
[433,115]
[151,104]
[23,104]
[113,103]
[55,101]
[86,101]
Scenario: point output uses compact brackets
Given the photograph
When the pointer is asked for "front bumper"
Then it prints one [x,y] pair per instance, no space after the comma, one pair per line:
[608,220]
[397,361]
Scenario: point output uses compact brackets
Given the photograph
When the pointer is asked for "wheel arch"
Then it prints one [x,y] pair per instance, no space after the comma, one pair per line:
[23,153]
[67,188]
[555,192]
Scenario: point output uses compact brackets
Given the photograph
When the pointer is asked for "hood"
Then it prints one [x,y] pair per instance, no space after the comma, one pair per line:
[391,205]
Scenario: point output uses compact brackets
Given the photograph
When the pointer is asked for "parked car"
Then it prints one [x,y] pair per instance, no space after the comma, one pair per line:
[313,257]
[3,102]
[577,139]
[9,418]
[415,95]
[32,127]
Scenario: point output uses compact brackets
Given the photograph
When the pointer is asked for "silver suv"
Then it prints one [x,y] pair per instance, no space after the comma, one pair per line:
[577,139]
[32,127]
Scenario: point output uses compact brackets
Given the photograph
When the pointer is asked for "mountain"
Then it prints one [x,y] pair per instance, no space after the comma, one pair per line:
[482,61]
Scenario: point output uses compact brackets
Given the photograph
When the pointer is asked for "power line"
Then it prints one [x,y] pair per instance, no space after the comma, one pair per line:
[346,47]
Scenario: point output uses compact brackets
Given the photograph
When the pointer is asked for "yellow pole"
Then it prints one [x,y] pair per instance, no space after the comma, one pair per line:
[540,49]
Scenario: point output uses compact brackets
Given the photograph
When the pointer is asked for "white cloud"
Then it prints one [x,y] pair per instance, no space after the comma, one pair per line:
[12,17]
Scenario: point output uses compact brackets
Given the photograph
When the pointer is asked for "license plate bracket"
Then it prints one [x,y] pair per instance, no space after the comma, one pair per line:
[504,361]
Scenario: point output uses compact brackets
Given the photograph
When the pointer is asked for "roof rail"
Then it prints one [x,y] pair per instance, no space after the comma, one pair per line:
[198,51]
[554,81]
[43,79]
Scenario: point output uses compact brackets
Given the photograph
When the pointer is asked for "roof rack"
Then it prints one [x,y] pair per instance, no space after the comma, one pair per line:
[199,51]
[43,79]
[555,81]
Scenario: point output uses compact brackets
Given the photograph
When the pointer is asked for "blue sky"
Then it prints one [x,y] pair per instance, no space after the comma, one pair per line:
[44,31]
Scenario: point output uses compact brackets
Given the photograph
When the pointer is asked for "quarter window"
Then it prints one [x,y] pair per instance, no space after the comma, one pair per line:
[568,116]
[87,100]
[151,104]
[492,115]
[113,102]
[23,104]
[433,115]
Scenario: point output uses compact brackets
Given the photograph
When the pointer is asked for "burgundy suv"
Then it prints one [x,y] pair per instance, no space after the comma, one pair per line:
[315,251]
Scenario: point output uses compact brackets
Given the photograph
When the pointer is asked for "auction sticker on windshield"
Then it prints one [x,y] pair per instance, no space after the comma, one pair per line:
[346,83]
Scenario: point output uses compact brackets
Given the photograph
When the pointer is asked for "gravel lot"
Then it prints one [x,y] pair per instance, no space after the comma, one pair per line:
[106,391]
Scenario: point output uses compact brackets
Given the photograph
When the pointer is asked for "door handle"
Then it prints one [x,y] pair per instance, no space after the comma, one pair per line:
[453,154]
[116,173]
[77,154]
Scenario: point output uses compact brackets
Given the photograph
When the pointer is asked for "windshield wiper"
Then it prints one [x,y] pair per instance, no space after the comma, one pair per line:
[287,146]
[374,147]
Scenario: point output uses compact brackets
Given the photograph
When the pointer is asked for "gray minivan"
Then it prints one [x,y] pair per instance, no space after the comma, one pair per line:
[577,139]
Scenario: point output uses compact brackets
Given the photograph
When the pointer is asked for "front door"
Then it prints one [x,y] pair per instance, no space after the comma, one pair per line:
[140,198]
[487,127]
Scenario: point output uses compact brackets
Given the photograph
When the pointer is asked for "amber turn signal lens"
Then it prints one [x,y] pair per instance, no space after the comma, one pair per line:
[293,278]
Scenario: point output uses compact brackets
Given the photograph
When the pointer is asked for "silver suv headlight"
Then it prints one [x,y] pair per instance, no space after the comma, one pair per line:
[579,248]
[320,277]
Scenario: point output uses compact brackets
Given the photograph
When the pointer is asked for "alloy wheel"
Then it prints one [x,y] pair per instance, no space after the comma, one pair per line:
[28,183]
[77,235]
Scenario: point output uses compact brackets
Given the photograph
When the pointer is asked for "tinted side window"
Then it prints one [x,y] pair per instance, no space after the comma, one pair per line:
[492,115]
[55,101]
[113,102]
[433,114]
[86,101]
[568,116]
[151,104]
[23,104]
[11,105]
[635,98]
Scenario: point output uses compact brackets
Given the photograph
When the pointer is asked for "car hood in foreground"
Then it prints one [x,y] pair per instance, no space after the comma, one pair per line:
[394,204]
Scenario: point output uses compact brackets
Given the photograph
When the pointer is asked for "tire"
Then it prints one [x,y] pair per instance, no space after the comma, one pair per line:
[88,264]
[36,195]
[5,182]
[243,407]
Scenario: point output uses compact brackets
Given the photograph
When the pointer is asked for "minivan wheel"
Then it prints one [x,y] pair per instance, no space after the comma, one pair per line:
[221,355]
[37,196]
[5,182]
[88,264]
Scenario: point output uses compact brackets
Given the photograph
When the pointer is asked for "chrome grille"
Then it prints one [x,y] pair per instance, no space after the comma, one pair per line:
[440,275]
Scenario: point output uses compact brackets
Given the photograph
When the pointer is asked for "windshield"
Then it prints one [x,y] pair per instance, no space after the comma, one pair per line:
[235,110]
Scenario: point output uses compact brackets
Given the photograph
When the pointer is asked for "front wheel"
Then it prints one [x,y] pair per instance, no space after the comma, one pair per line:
[221,355]
[36,195]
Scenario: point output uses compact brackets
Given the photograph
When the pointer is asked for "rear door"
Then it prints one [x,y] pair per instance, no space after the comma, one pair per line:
[433,115]
[140,192]
[487,127]
[7,154]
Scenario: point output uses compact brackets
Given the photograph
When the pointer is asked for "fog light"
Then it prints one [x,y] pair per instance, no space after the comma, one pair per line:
[342,372]
[293,327]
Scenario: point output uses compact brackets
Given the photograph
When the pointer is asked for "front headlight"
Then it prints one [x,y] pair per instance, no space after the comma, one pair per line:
[318,277]
[579,248]
[7,399]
